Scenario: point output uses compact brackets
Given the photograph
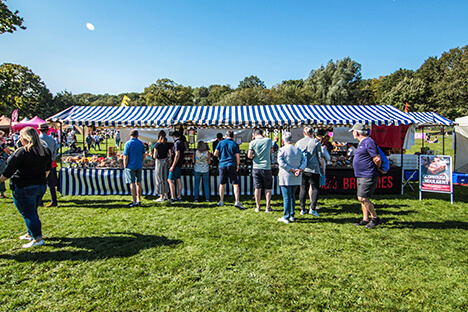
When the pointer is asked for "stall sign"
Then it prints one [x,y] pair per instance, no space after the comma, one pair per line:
[436,173]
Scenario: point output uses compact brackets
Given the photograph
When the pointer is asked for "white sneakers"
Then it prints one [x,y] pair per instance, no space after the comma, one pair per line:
[33,243]
[26,237]
[282,219]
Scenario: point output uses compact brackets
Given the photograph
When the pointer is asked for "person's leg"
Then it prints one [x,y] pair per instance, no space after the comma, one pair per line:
[292,198]
[304,190]
[258,197]
[268,198]
[367,207]
[133,190]
[236,192]
[139,191]
[196,187]
[206,184]
[315,184]
[172,185]
[222,188]
[179,187]
[285,191]
[27,200]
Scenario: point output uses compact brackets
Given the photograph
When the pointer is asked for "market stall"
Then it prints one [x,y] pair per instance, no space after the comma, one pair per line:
[275,117]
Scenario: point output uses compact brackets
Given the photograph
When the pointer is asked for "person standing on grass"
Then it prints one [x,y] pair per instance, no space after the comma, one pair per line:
[28,168]
[117,139]
[161,153]
[175,171]
[315,167]
[260,151]
[229,160]
[52,181]
[202,161]
[366,163]
[291,162]
[134,154]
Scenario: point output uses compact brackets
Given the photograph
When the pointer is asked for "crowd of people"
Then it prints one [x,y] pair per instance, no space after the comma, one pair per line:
[31,169]
[301,165]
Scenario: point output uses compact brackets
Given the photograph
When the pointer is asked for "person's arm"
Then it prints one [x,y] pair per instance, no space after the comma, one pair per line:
[125,161]
[176,159]
[250,154]
[155,153]
[209,158]
[237,160]
[377,161]
[216,153]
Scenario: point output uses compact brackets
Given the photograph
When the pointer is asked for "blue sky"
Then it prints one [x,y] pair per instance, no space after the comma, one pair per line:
[203,42]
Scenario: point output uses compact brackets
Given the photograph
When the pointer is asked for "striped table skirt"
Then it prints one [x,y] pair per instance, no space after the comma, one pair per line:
[77,181]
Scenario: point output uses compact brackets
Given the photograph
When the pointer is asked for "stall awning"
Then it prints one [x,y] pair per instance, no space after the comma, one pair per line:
[430,119]
[266,116]
[342,115]
[117,116]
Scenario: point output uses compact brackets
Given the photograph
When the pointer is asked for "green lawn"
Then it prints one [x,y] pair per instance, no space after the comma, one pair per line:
[101,256]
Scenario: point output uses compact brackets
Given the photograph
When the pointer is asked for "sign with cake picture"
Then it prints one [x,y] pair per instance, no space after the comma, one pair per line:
[436,173]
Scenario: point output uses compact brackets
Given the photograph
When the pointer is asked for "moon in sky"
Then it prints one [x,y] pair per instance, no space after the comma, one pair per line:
[90,26]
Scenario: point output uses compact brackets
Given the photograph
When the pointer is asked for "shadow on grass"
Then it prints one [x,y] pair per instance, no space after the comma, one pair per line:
[431,225]
[93,248]
[87,203]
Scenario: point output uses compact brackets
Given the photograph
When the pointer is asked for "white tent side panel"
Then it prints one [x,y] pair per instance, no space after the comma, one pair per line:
[461,139]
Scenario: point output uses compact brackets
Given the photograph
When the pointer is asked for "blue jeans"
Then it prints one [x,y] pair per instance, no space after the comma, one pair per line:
[289,199]
[26,200]
[206,184]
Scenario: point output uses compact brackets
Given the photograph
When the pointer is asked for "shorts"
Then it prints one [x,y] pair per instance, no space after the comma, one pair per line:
[175,174]
[132,175]
[228,172]
[366,186]
[263,179]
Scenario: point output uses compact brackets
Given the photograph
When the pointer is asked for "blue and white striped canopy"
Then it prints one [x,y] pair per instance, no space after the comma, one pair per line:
[266,116]
[342,115]
[430,119]
[117,116]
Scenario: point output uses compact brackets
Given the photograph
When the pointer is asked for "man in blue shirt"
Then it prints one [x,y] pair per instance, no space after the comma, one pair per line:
[134,153]
[229,159]
[366,163]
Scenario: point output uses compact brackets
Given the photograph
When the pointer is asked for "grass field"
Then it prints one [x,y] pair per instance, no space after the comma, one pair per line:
[101,256]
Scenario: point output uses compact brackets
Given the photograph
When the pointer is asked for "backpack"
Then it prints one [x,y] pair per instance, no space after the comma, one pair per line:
[385,164]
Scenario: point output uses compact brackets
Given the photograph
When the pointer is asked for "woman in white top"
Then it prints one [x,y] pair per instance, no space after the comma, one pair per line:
[202,170]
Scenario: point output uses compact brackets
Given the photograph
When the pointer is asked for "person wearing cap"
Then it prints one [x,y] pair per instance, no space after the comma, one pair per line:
[134,154]
[53,147]
[366,163]
[291,162]
[312,149]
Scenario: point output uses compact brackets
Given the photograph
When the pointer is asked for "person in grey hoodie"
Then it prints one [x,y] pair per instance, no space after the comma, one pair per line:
[291,162]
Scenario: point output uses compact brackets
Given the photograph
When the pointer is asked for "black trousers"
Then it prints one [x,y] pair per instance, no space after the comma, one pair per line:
[309,179]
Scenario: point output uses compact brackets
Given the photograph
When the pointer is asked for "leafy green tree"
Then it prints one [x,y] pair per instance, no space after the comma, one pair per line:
[62,101]
[251,82]
[9,20]
[21,89]
[248,96]
[289,92]
[217,93]
[410,90]
[167,92]
[200,96]
[385,84]
[335,84]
